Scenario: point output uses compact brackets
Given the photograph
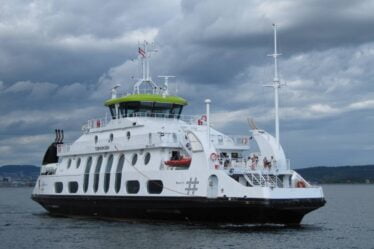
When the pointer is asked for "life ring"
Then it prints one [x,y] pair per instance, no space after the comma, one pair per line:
[216,166]
[213,156]
[300,184]
[201,120]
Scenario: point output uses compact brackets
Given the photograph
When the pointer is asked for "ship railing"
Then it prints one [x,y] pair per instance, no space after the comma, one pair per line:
[140,91]
[236,140]
[190,119]
[146,90]
[246,163]
[256,176]
[149,140]
[63,148]
[102,122]
[96,123]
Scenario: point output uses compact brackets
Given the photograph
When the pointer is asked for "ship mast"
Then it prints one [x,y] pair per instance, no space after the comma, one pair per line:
[144,55]
[276,85]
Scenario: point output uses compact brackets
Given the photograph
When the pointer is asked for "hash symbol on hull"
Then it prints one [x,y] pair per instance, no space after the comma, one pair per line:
[192,186]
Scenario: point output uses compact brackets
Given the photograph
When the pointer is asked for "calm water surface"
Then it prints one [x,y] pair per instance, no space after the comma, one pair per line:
[347,221]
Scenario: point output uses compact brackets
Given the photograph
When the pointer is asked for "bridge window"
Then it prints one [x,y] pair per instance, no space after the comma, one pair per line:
[112,109]
[97,173]
[145,108]
[155,186]
[153,109]
[176,111]
[162,108]
[69,162]
[107,173]
[78,162]
[87,174]
[132,187]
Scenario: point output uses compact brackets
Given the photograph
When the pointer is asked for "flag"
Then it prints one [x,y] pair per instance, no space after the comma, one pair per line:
[141,52]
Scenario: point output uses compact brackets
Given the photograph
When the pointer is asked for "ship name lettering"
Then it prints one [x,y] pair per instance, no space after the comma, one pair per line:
[97,148]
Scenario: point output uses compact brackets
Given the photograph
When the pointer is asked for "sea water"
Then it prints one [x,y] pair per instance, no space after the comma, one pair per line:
[346,221]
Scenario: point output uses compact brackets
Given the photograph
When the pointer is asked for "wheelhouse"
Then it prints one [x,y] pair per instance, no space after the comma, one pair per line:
[146,105]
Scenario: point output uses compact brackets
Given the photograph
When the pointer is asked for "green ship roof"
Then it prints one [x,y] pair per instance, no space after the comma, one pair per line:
[147,98]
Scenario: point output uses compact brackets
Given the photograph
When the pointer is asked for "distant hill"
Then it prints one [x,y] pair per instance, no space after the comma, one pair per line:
[342,174]
[322,174]
[19,170]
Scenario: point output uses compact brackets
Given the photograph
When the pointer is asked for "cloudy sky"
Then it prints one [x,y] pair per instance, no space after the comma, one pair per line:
[58,60]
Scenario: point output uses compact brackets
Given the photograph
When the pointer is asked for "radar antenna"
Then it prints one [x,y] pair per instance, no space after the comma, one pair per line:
[166,83]
[114,91]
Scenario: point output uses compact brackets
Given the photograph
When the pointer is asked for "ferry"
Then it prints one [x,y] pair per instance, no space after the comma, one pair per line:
[146,160]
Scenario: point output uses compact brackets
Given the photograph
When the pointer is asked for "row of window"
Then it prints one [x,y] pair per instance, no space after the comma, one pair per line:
[72,187]
[111,137]
[132,187]
[147,158]
[118,172]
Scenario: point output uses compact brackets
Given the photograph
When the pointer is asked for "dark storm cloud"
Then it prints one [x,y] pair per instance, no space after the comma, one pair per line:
[305,25]
[58,61]
[71,41]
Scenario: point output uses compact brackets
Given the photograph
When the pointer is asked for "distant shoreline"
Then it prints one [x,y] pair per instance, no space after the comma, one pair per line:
[26,175]
[318,184]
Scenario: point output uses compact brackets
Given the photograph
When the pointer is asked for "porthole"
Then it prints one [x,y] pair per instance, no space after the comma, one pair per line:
[147,158]
[73,187]
[132,187]
[96,139]
[128,135]
[78,162]
[134,159]
[111,137]
[58,187]
[69,162]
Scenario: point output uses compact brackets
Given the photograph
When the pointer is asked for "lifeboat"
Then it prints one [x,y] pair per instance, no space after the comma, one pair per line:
[182,162]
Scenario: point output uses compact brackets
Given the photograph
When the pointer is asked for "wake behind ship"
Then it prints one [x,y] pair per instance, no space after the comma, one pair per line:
[148,161]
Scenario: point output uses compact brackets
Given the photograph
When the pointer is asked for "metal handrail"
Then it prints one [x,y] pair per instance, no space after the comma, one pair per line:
[102,122]
[135,140]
